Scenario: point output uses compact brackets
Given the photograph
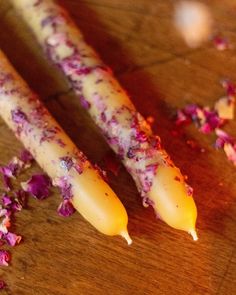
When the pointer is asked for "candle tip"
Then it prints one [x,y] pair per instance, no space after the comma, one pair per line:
[126,236]
[193,233]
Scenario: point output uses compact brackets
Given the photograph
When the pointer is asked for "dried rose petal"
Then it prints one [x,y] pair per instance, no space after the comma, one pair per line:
[2,284]
[84,103]
[11,169]
[6,223]
[221,43]
[182,118]
[229,87]
[18,116]
[12,239]
[4,257]
[15,166]
[26,157]
[65,187]
[225,107]
[7,183]
[3,211]
[66,163]
[6,200]
[38,186]
[66,208]
[222,138]
[230,151]
[189,190]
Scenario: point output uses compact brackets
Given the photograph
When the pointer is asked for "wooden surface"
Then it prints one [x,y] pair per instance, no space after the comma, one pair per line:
[67,256]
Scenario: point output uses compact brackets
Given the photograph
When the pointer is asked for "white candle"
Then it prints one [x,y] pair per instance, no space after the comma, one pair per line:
[58,156]
[158,180]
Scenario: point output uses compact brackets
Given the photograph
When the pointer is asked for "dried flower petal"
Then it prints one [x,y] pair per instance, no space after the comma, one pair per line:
[230,151]
[64,186]
[221,43]
[4,257]
[2,284]
[66,208]
[6,200]
[225,107]
[12,239]
[38,186]
[26,157]
[229,87]
[66,163]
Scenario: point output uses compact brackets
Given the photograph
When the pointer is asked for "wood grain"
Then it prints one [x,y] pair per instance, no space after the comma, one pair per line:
[67,256]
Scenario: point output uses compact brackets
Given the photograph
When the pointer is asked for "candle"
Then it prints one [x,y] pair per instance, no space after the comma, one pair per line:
[58,156]
[159,182]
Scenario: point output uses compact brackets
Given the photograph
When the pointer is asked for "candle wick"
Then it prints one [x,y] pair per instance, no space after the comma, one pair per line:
[126,236]
[193,233]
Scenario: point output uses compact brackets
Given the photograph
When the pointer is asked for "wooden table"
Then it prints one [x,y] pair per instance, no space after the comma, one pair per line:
[67,256]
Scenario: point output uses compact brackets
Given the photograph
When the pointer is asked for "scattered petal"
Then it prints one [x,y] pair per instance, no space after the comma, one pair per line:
[26,158]
[4,257]
[38,186]
[229,86]
[225,107]
[65,187]
[230,151]
[2,284]
[6,200]
[12,239]
[221,43]
[66,208]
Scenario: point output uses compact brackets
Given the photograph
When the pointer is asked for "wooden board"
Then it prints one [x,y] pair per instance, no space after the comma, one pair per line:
[67,256]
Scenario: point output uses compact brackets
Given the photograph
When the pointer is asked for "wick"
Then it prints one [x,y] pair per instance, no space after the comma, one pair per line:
[126,236]
[193,233]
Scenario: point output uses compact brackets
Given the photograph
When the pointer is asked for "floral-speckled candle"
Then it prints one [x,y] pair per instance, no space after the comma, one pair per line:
[81,185]
[159,182]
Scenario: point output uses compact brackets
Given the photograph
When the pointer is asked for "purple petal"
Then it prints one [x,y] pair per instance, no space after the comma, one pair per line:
[12,239]
[230,151]
[26,157]
[65,187]
[221,43]
[191,110]
[18,116]
[38,186]
[4,257]
[7,183]
[66,163]
[229,87]
[141,136]
[66,208]
[2,284]
[85,104]
[6,200]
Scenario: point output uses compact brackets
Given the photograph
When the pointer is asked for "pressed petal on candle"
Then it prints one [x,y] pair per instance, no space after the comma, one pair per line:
[126,131]
[31,122]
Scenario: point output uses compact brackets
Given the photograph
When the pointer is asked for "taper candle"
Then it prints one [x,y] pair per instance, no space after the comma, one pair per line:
[54,151]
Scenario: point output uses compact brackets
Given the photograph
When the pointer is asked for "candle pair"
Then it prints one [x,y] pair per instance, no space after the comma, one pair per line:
[160,183]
